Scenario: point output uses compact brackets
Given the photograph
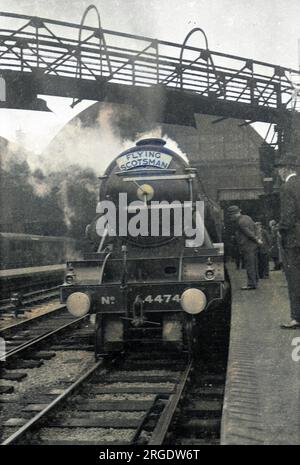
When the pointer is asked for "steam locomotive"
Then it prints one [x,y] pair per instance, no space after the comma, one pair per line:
[147,283]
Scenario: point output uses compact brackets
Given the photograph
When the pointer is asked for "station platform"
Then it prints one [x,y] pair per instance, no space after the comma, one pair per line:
[21,272]
[22,279]
[262,394]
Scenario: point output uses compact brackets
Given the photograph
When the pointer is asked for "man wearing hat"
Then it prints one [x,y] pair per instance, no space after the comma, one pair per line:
[248,241]
[289,228]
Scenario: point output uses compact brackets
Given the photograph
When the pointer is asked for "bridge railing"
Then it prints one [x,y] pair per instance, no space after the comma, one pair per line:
[51,47]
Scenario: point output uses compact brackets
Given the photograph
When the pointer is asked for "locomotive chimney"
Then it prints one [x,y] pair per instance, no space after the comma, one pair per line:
[151,141]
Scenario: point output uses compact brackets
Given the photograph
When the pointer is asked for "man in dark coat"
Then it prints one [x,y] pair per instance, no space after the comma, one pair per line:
[263,251]
[247,239]
[289,228]
[275,250]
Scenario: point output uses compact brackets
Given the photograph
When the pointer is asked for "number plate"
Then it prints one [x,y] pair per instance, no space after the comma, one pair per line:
[161,298]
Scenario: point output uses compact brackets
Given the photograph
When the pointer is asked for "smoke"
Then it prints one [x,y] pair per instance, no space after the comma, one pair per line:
[93,142]
[78,145]
[10,153]
[59,202]
[61,184]
[158,132]
[113,129]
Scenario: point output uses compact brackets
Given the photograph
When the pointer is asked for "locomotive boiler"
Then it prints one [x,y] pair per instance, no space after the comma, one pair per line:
[156,274]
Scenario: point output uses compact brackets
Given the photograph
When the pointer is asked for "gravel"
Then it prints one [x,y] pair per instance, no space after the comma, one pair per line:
[54,371]
[42,308]
[29,314]
[138,385]
[108,397]
[39,381]
[92,434]
[115,415]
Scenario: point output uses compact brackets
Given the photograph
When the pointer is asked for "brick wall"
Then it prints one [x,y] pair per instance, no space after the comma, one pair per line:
[225,154]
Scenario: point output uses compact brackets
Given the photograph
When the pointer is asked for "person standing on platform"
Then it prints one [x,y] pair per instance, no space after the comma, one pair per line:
[289,229]
[263,251]
[236,255]
[275,251]
[248,241]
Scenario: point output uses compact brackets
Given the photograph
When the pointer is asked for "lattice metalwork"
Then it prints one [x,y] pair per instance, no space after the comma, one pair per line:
[56,48]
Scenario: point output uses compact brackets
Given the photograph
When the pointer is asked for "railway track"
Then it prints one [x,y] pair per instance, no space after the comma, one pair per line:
[18,303]
[46,353]
[35,331]
[198,422]
[132,400]
[119,404]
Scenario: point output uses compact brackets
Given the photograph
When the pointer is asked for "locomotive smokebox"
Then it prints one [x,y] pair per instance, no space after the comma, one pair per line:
[154,175]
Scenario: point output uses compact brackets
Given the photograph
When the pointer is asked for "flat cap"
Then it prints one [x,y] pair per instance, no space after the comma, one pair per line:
[287,160]
[233,209]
